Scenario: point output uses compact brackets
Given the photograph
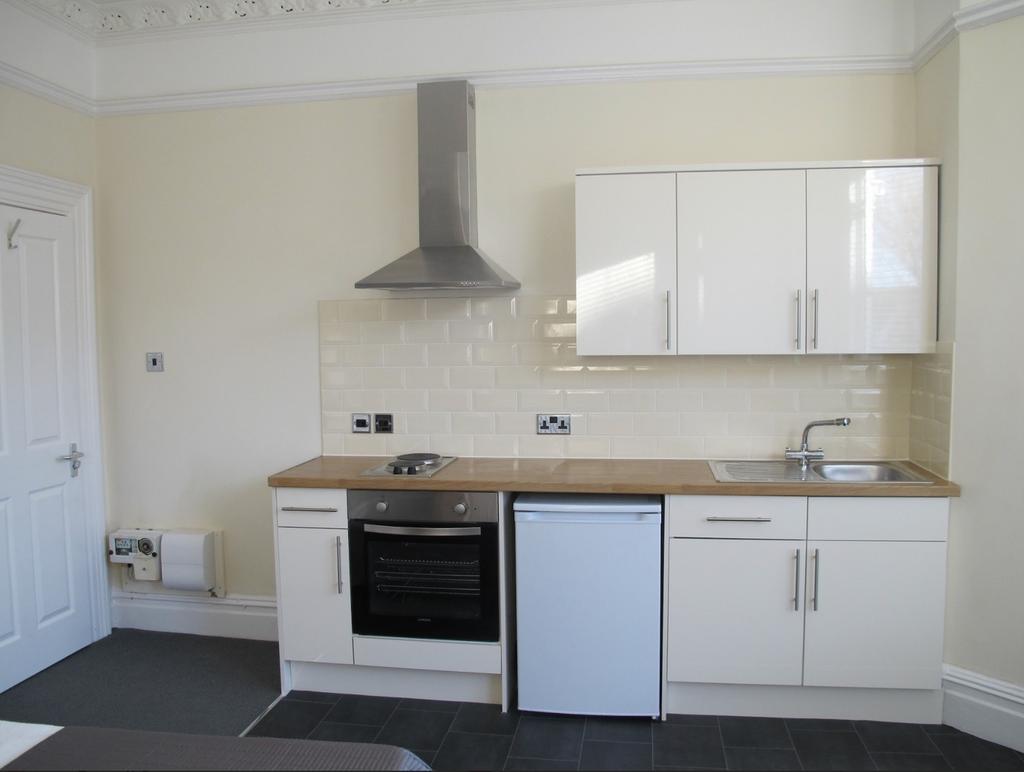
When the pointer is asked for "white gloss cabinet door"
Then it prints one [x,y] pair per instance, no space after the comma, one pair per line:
[741,261]
[875,614]
[314,613]
[625,264]
[735,611]
[872,266]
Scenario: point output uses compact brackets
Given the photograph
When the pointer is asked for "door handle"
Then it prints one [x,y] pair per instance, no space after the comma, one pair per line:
[814,598]
[796,581]
[797,301]
[337,550]
[75,457]
[816,302]
[716,519]
[668,320]
[309,509]
[407,530]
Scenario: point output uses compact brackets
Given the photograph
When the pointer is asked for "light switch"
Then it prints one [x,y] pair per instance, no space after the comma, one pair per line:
[155,361]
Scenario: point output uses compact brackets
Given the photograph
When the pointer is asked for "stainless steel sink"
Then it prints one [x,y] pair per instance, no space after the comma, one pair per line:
[888,472]
[874,472]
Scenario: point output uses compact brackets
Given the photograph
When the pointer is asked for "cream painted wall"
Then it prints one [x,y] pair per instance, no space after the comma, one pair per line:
[222,228]
[42,137]
[985,618]
[937,88]
[530,142]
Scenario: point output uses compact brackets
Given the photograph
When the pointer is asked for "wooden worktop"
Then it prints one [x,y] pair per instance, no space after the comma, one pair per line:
[577,475]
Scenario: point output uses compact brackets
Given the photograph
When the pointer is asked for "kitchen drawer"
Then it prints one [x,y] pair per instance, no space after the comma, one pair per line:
[311,507]
[426,654]
[877,519]
[738,517]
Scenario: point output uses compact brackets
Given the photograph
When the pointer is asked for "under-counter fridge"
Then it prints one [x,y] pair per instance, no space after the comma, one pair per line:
[588,603]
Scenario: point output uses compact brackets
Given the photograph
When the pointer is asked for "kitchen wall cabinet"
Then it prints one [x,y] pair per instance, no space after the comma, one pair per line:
[767,259]
[313,602]
[626,264]
[860,605]
[872,246]
[741,261]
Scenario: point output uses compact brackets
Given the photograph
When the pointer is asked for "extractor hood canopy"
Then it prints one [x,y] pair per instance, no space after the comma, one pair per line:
[448,256]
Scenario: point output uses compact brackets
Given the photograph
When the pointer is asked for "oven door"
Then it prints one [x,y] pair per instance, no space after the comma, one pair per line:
[425,580]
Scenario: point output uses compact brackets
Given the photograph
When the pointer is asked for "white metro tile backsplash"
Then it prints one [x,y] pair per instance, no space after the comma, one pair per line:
[930,398]
[466,376]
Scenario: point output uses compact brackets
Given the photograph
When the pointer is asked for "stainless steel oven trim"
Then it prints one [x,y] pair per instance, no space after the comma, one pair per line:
[414,507]
[406,530]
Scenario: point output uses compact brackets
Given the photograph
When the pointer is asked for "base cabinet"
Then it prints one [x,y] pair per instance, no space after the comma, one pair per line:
[315,622]
[743,622]
[861,605]
[875,614]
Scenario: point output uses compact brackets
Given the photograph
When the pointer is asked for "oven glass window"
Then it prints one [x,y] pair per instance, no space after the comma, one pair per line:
[424,580]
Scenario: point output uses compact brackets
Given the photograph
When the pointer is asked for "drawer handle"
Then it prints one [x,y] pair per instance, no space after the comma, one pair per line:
[309,509]
[715,519]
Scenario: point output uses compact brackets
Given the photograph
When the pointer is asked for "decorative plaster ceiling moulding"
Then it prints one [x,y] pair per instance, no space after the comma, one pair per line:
[123,21]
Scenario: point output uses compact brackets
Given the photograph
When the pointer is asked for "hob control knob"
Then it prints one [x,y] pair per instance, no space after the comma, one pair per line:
[382,506]
[459,509]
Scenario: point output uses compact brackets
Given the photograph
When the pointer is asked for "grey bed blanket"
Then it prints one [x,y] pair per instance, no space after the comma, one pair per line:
[116,749]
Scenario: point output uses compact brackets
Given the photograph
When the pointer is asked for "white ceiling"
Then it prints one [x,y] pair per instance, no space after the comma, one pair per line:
[110,20]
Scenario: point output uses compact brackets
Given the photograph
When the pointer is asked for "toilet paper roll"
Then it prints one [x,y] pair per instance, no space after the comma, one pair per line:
[186,560]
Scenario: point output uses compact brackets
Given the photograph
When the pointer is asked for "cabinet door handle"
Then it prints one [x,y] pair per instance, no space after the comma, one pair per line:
[716,519]
[337,555]
[796,581]
[309,509]
[816,302]
[814,598]
[797,341]
[668,320]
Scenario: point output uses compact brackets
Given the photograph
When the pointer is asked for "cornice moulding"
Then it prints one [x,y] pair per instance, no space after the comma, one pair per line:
[48,16]
[990,12]
[944,34]
[970,18]
[508,79]
[40,87]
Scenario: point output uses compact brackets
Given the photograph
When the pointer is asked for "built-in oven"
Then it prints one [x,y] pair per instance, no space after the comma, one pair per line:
[424,564]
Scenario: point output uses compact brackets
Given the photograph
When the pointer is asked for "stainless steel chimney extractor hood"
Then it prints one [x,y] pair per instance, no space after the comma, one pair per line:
[447,257]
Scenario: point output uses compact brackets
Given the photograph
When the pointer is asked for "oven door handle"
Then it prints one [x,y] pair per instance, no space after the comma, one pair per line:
[407,530]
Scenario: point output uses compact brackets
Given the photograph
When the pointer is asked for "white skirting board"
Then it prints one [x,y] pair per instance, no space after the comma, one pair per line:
[919,706]
[983,706]
[394,682]
[236,616]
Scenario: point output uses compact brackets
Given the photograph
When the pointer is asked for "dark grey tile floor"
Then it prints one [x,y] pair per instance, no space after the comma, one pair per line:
[466,736]
[161,682]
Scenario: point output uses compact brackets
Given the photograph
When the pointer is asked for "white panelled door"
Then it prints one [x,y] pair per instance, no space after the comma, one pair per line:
[625,264]
[735,611]
[872,251]
[741,261]
[45,611]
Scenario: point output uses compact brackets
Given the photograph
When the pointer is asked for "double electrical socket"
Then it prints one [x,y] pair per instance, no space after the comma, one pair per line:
[383,423]
[558,423]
